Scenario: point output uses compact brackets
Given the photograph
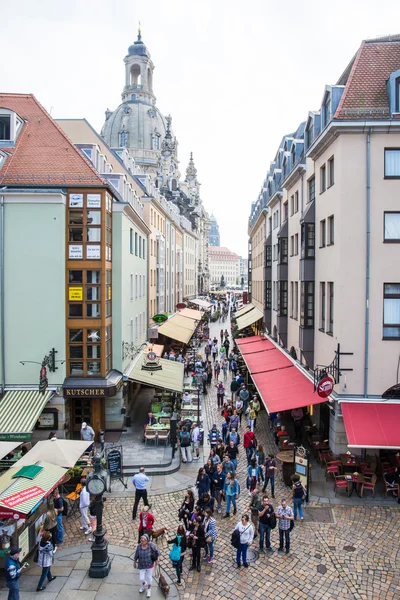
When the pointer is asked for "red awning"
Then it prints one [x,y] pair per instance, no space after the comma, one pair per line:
[372,424]
[262,362]
[248,340]
[259,346]
[284,389]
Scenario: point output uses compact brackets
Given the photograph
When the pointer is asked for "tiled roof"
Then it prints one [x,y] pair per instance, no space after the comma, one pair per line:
[43,153]
[221,250]
[365,94]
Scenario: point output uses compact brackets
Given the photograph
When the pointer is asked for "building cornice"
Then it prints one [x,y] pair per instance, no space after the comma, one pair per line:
[294,176]
[257,223]
[127,209]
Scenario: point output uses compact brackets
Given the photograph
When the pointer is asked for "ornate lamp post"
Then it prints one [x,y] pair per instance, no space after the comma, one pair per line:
[96,484]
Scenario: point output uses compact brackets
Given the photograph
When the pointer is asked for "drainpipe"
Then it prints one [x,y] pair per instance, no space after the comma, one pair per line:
[3,358]
[368,265]
[302,194]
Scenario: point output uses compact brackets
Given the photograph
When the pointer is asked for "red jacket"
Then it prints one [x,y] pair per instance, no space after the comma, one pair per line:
[248,439]
[149,522]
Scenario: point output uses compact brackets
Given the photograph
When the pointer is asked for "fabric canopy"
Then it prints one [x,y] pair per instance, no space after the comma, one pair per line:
[248,340]
[7,447]
[284,389]
[178,328]
[243,310]
[201,302]
[372,424]
[20,410]
[63,453]
[169,377]
[253,347]
[269,360]
[190,313]
[249,318]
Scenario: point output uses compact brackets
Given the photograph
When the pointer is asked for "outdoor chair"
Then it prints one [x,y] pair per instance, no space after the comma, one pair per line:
[150,436]
[163,436]
[393,488]
[368,484]
[368,469]
[324,457]
[341,482]
[73,500]
[332,467]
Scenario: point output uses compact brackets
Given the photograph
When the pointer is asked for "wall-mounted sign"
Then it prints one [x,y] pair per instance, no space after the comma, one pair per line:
[76,200]
[23,496]
[151,356]
[93,201]
[325,387]
[75,251]
[75,293]
[180,305]
[160,318]
[92,252]
[77,392]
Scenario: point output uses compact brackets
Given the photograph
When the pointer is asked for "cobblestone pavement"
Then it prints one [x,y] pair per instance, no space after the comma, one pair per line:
[354,558]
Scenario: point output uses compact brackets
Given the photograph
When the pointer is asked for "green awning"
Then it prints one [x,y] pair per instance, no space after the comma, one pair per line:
[19,412]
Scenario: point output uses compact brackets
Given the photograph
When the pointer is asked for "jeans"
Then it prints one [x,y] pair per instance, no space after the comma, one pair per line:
[210,549]
[297,502]
[13,590]
[230,499]
[272,480]
[178,567]
[249,452]
[45,573]
[241,552]
[286,533]
[196,555]
[138,495]
[218,497]
[60,529]
[265,531]
[234,462]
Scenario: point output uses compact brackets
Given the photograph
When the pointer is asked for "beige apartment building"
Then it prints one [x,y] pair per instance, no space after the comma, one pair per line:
[332,275]
[223,262]
[256,261]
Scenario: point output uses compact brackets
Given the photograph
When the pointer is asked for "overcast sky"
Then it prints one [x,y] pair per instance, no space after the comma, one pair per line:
[235,75]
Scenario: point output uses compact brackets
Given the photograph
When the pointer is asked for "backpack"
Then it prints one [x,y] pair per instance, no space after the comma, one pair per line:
[185,439]
[272,520]
[175,553]
[235,539]
[65,505]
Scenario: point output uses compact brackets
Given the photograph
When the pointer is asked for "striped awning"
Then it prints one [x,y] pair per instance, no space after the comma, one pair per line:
[21,495]
[20,410]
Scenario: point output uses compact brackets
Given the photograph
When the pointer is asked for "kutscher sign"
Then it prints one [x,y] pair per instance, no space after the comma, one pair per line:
[325,387]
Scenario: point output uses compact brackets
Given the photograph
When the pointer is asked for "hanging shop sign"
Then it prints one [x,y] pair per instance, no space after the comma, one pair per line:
[180,305]
[325,387]
[151,362]
[160,318]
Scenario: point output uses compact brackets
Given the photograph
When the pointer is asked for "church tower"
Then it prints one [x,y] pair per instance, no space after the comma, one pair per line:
[137,124]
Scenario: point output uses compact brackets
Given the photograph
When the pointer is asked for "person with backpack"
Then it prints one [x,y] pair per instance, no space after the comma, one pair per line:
[210,531]
[298,494]
[195,437]
[232,491]
[267,522]
[185,442]
[246,536]
[59,507]
[271,466]
[146,556]
[177,553]
[253,474]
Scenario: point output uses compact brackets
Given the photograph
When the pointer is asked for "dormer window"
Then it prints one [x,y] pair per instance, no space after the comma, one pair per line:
[327,110]
[10,124]
[123,139]
[5,127]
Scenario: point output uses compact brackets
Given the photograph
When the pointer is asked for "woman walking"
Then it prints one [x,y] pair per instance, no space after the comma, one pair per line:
[232,491]
[203,482]
[186,508]
[253,475]
[46,552]
[251,416]
[260,456]
[220,394]
[50,523]
[217,369]
[210,532]
[197,542]
[146,556]
[146,522]
[224,366]
[180,541]
[246,531]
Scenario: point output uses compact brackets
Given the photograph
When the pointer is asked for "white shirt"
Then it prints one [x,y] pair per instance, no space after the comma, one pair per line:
[84,498]
[195,434]
[139,481]
[246,533]
[87,434]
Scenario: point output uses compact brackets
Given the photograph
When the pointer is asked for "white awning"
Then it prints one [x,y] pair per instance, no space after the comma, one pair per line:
[249,318]
[163,373]
[201,302]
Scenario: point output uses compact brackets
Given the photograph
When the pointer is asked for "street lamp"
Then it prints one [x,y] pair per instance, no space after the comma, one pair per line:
[96,484]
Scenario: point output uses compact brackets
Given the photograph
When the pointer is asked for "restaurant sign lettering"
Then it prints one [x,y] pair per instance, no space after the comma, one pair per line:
[76,392]
[23,496]
[325,387]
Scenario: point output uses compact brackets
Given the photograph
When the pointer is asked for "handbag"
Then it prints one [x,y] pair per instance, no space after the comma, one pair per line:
[153,553]
[36,555]
[291,525]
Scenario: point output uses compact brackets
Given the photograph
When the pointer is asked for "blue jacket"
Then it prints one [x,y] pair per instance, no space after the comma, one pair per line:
[232,490]
[13,569]
[203,484]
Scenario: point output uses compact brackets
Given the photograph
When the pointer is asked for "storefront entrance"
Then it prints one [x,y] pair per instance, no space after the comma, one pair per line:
[88,410]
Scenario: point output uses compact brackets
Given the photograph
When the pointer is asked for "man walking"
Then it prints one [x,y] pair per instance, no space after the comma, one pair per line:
[271,466]
[84,501]
[59,506]
[139,481]
[248,443]
[87,434]
[185,441]
[285,515]
[265,512]
[196,441]
[244,396]
[13,569]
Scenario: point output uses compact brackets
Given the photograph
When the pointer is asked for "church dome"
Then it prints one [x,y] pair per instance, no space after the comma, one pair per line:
[138,48]
[143,123]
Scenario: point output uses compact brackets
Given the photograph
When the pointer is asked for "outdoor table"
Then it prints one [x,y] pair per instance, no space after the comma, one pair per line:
[192,408]
[355,480]
[287,459]
[349,463]
[163,414]
[157,427]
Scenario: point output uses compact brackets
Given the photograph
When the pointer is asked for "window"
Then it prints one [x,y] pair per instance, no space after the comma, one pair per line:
[322,173]
[296,300]
[144,248]
[282,298]
[291,205]
[268,294]
[291,299]
[391,311]
[307,304]
[291,245]
[296,202]
[392,162]
[275,216]
[331,171]
[331,230]
[268,255]
[331,299]
[275,252]
[140,246]
[311,190]
[136,286]
[123,138]
[131,286]
[322,300]
[285,211]
[296,244]
[131,241]
[307,240]
[283,251]
[270,225]
[136,243]
[5,127]
[322,234]
[391,227]
[275,295]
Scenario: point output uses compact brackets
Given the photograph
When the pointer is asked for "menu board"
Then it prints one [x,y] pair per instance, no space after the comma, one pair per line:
[92,252]
[114,463]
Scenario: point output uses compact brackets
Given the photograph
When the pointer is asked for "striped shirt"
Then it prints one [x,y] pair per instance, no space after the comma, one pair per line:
[210,528]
